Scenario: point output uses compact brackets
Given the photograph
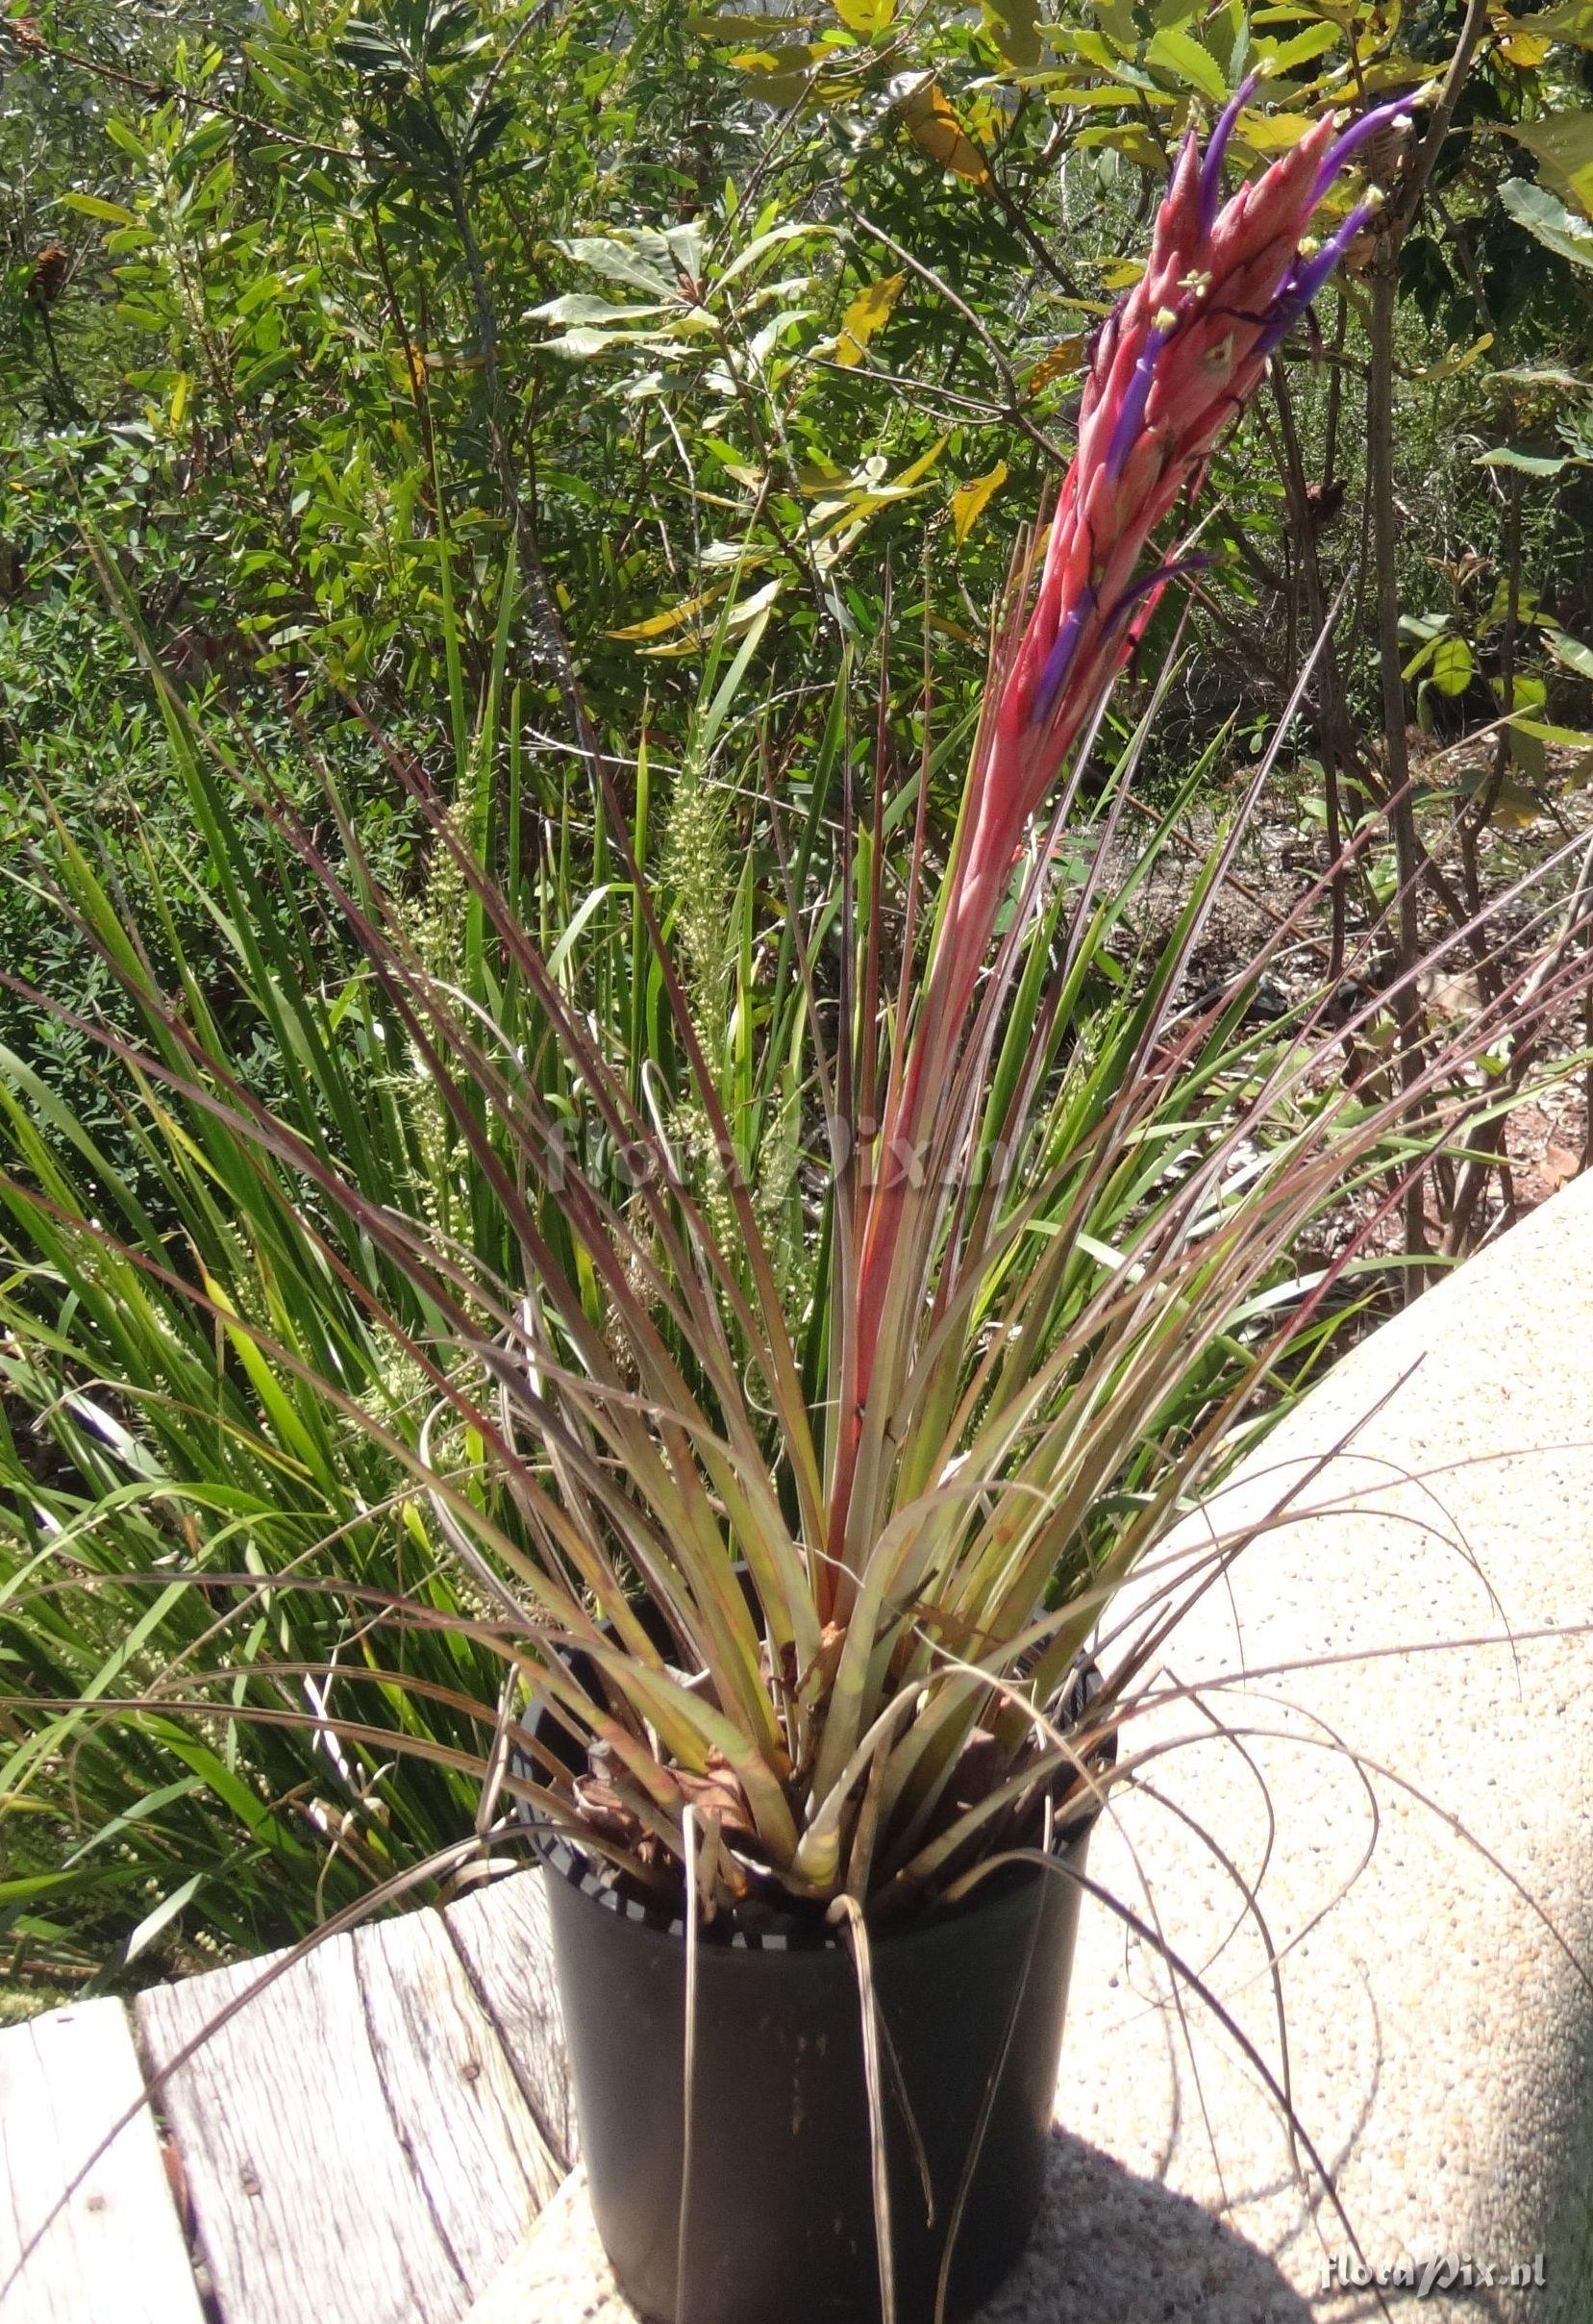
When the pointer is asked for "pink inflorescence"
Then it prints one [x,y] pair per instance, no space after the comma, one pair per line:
[1174,363]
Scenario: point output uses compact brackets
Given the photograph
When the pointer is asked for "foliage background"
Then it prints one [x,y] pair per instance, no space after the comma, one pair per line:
[478,378]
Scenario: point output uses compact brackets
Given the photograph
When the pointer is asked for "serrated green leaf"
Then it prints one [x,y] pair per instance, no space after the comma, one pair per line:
[1554,225]
[621,262]
[1563,144]
[1181,55]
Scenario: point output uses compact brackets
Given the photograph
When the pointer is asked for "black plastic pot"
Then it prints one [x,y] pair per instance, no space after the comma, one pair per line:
[781,2221]
[781,2217]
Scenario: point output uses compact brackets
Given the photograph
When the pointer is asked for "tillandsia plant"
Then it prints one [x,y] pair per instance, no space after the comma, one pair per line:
[797,1558]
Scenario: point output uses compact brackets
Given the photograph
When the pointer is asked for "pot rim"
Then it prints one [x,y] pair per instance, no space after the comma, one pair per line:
[780,1928]
[787,1929]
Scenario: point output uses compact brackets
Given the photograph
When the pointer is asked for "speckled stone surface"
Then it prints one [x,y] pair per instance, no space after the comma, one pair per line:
[1440,2033]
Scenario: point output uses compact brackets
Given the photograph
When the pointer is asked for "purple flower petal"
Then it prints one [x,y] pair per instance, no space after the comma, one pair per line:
[1343,150]
[1059,660]
[1310,275]
[1131,415]
[1174,570]
[1211,168]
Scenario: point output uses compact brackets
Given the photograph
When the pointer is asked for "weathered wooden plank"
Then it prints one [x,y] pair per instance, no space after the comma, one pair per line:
[502,1932]
[115,2249]
[475,2141]
[356,2146]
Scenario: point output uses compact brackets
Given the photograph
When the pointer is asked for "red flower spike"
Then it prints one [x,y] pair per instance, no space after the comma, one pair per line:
[1174,364]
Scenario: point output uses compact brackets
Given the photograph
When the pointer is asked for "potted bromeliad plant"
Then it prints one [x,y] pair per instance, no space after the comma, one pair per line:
[819,1741]
[794,1564]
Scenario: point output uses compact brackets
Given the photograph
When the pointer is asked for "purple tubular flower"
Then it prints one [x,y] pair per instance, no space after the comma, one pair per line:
[1310,275]
[1175,570]
[1211,168]
[1065,645]
[1136,395]
[1342,152]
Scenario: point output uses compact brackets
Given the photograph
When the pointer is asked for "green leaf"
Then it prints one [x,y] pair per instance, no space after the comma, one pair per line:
[1528,463]
[1452,665]
[165,1912]
[575,307]
[1570,652]
[1563,144]
[1424,625]
[1525,693]
[1182,55]
[1535,208]
[1015,25]
[621,262]
[1562,738]
[1304,49]
[92,207]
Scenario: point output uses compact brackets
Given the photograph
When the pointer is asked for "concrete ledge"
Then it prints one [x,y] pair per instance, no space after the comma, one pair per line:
[1440,2035]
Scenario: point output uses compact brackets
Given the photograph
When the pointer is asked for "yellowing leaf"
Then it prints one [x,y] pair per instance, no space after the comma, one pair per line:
[943,628]
[710,27]
[820,476]
[1272,131]
[842,517]
[750,612]
[1563,144]
[970,500]
[986,120]
[930,121]
[178,398]
[1574,23]
[1068,355]
[1514,807]
[1135,143]
[870,17]
[1519,45]
[1121,274]
[916,472]
[658,625]
[780,77]
[864,316]
[1456,360]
